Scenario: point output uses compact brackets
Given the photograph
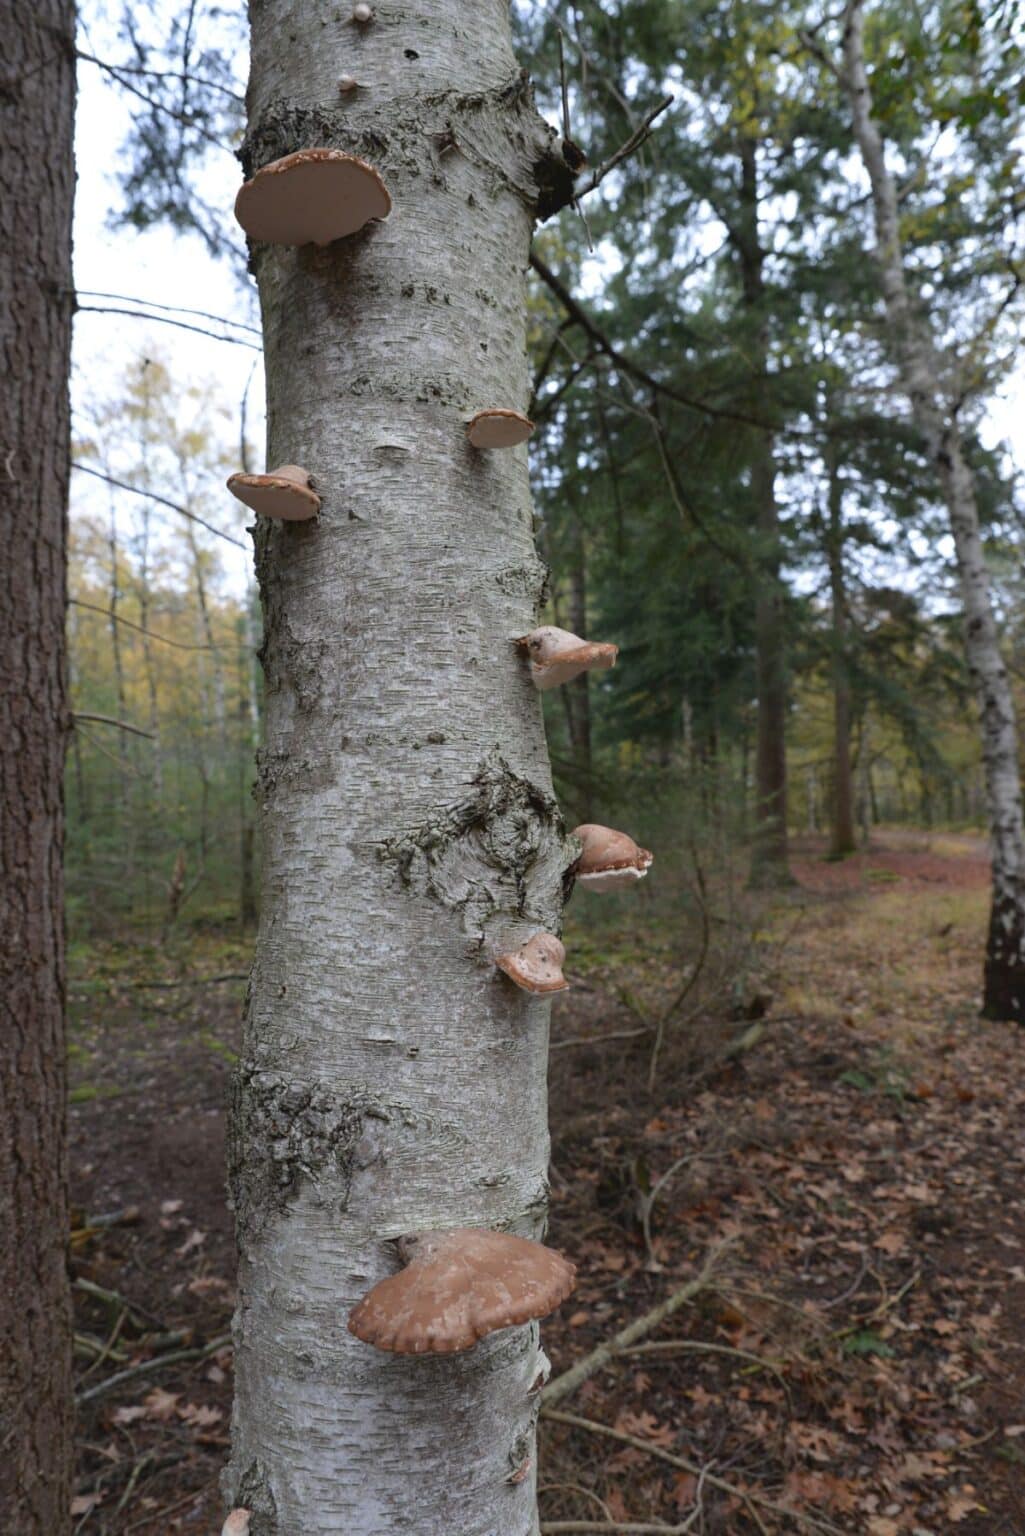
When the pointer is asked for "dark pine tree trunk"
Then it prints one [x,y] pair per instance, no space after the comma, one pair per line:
[37,96]
[843,839]
[769,849]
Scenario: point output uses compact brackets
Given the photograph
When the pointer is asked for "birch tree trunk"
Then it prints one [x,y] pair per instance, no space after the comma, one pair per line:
[922,367]
[37,101]
[391,1080]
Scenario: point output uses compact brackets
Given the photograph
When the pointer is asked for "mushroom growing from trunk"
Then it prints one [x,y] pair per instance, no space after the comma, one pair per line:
[537,965]
[237,1523]
[285,492]
[498,429]
[556,656]
[610,859]
[311,197]
[457,1287]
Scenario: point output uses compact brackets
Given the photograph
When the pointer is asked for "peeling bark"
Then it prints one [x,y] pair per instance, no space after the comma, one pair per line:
[391,1080]
[37,97]
[922,368]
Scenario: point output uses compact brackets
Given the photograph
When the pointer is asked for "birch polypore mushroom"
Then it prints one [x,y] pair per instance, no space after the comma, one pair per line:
[285,492]
[311,197]
[457,1287]
[536,966]
[610,860]
[498,429]
[556,656]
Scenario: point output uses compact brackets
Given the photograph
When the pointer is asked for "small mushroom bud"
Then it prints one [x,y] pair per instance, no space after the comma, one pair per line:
[311,197]
[457,1287]
[557,656]
[537,965]
[498,428]
[362,14]
[610,860]
[237,1523]
[347,83]
[285,493]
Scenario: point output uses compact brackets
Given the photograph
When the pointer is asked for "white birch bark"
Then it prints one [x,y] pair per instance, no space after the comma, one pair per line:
[391,1079]
[922,368]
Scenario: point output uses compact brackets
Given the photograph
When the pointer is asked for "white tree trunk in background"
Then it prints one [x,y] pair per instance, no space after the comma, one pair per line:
[923,367]
[391,1080]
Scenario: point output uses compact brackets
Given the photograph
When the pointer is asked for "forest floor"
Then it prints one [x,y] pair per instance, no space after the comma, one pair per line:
[835,1144]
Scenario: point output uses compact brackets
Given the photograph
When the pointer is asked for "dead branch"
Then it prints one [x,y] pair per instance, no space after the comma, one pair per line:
[640,134]
[122,725]
[746,1495]
[148,1367]
[565,1385]
[137,490]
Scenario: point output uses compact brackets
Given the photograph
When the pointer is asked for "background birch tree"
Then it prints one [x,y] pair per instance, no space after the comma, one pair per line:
[940,371]
[391,1082]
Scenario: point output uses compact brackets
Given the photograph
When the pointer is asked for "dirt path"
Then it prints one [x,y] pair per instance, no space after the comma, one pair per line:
[860,1360]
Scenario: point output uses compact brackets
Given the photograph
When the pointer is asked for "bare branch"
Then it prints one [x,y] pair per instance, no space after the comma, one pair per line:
[122,725]
[137,490]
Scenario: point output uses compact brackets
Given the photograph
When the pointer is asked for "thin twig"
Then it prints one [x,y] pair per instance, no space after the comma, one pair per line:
[616,1034]
[122,725]
[150,634]
[634,142]
[183,325]
[137,490]
[148,1367]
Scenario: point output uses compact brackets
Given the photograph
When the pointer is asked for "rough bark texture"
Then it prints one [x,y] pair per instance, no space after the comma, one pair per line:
[923,367]
[769,846]
[391,1080]
[36,189]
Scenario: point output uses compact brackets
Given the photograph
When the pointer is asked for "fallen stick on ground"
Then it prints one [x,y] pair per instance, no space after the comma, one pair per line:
[148,1367]
[565,1385]
[748,1497]
[551,1527]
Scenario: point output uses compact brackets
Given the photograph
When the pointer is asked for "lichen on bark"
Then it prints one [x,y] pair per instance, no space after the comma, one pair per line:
[281,1132]
[478,855]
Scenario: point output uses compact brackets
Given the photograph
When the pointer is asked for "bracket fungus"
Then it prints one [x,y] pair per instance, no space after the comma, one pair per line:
[556,656]
[498,429]
[610,859]
[458,1286]
[313,196]
[237,1523]
[285,492]
[537,965]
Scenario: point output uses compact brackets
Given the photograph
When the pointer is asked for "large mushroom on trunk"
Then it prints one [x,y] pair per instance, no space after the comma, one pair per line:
[499,428]
[457,1287]
[536,965]
[557,656]
[285,492]
[311,197]
[610,860]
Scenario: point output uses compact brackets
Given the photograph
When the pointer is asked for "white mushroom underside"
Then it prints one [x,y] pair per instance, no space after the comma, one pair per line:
[312,202]
[610,879]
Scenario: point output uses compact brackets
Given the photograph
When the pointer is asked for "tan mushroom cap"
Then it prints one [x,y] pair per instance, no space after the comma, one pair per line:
[459,1286]
[311,197]
[285,492]
[537,965]
[610,859]
[237,1523]
[499,429]
[557,656]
